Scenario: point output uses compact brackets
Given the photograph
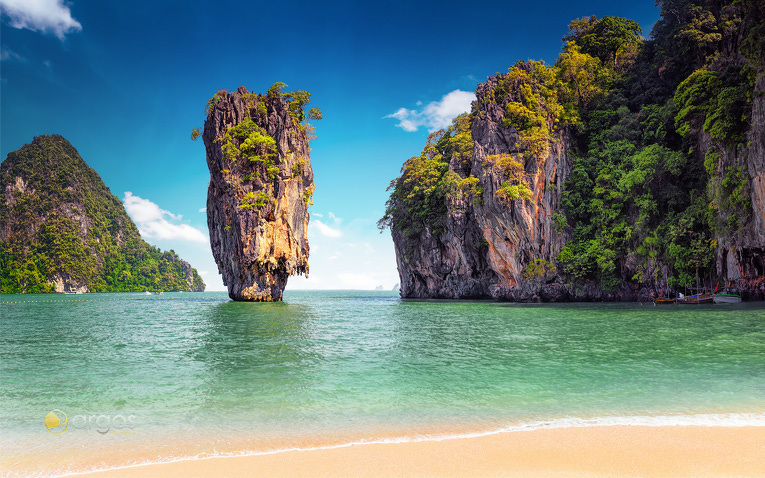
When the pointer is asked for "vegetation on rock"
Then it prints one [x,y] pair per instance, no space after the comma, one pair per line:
[60,223]
[422,195]
[658,130]
[261,184]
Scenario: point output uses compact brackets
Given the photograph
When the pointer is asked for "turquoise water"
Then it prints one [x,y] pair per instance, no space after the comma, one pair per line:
[151,378]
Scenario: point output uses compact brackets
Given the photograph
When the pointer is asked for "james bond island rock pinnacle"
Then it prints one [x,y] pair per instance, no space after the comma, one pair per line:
[261,184]
[628,169]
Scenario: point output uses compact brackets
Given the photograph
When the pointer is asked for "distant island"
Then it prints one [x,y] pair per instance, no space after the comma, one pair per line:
[62,230]
[630,168]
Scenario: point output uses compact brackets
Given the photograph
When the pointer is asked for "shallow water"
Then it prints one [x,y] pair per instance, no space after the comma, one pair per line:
[151,378]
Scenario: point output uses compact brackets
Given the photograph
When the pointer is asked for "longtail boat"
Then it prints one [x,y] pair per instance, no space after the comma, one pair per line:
[728,295]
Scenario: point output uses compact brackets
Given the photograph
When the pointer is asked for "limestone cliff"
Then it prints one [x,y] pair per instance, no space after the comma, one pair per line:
[62,230]
[629,168]
[261,184]
[741,251]
[498,231]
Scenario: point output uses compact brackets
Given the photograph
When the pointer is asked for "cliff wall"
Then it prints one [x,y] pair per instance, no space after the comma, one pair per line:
[628,169]
[502,241]
[741,251]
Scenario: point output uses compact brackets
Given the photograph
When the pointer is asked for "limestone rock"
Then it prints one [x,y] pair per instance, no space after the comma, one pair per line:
[741,253]
[260,188]
[508,250]
[485,246]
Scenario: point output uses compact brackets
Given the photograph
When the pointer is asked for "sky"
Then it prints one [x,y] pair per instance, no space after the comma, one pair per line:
[126,82]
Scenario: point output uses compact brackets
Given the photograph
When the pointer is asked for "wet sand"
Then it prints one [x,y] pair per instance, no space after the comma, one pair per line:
[598,451]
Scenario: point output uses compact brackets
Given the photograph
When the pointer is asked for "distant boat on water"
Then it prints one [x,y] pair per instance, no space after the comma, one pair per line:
[728,295]
[664,301]
[695,299]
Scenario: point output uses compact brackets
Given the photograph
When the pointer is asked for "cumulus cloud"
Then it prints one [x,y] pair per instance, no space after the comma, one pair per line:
[325,230]
[45,16]
[436,114]
[154,222]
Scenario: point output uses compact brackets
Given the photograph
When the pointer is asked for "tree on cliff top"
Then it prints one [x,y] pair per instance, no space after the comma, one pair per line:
[608,38]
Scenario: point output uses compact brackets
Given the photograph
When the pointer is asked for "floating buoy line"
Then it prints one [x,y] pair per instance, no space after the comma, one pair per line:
[93,299]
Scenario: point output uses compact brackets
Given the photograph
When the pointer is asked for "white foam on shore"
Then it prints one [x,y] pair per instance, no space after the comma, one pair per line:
[699,420]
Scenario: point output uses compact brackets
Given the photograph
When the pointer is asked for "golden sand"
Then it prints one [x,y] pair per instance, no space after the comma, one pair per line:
[625,451]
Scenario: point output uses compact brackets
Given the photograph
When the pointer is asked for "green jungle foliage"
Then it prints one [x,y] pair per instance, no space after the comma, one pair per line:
[427,188]
[644,202]
[42,229]
[250,142]
[639,196]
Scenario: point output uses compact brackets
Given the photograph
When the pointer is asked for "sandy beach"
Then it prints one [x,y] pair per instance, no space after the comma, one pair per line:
[608,451]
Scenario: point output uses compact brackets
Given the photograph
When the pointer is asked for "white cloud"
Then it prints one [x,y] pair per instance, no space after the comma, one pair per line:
[325,230]
[436,114]
[153,222]
[204,209]
[46,16]
[349,262]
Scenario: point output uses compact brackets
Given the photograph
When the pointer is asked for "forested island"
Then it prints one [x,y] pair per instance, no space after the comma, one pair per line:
[62,230]
[629,167]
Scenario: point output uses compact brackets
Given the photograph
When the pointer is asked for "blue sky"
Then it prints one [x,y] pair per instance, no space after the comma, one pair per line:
[125,83]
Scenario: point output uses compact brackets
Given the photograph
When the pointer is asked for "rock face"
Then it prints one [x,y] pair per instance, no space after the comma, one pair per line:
[507,248]
[261,183]
[741,254]
[62,230]
[611,175]
[487,246]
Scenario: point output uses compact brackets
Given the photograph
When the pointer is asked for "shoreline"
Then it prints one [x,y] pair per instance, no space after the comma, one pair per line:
[582,451]
[526,448]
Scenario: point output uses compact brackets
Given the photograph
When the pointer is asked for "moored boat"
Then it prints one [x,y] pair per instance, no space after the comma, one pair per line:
[696,299]
[700,298]
[664,301]
[728,295]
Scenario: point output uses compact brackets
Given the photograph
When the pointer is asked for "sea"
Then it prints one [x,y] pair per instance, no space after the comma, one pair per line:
[102,381]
